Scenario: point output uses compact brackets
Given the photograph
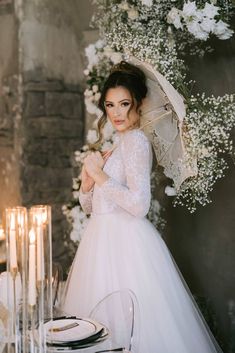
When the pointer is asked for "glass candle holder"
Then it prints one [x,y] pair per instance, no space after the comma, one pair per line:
[39,281]
[16,248]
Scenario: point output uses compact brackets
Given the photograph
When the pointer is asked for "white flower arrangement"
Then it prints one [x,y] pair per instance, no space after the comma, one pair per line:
[200,22]
[160,33]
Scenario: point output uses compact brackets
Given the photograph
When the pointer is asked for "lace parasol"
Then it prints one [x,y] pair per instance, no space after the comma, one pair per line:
[162,116]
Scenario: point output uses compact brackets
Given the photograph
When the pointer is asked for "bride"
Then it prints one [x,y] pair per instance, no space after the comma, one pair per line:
[120,248]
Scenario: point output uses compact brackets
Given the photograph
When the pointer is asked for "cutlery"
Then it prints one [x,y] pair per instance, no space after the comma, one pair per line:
[121,349]
[63,328]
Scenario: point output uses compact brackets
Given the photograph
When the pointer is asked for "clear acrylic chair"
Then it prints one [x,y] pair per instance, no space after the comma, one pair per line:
[119,312]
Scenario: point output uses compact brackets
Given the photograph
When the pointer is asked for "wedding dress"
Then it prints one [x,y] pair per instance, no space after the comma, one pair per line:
[120,249]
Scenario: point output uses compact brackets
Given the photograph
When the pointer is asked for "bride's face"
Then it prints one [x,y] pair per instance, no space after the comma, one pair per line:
[118,102]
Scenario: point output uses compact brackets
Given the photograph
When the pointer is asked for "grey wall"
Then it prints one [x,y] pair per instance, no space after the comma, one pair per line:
[51,39]
[9,166]
[203,244]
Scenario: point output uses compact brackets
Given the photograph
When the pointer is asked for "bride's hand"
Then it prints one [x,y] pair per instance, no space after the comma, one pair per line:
[106,154]
[87,181]
[94,164]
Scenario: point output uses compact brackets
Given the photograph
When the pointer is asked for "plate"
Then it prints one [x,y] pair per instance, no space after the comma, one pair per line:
[64,331]
[77,348]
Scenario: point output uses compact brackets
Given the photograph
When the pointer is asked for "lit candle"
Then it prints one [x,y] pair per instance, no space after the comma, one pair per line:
[2,234]
[32,270]
[13,257]
[40,249]
[20,224]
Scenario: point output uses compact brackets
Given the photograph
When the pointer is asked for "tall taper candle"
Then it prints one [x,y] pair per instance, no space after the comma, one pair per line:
[2,234]
[32,269]
[13,256]
[40,250]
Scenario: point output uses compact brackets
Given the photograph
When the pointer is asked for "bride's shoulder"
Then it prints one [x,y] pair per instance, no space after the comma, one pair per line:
[136,134]
[135,137]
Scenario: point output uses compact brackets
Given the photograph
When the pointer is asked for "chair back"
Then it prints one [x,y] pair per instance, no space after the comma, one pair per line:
[57,278]
[119,312]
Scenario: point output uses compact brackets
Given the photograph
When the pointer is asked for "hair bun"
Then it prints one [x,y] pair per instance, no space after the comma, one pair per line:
[127,68]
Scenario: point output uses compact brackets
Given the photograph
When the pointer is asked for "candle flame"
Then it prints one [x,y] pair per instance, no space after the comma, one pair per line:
[41,217]
[44,216]
[20,220]
[32,236]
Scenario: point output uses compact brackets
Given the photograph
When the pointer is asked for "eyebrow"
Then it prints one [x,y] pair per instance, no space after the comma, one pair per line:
[126,99]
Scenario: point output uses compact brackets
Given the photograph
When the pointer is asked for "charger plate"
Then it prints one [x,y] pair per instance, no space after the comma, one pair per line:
[85,328]
[72,334]
[77,349]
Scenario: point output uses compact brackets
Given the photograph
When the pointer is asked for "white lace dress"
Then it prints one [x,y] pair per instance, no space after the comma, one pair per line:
[120,249]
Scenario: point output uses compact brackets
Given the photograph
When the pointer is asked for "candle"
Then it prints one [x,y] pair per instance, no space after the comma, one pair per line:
[20,224]
[13,257]
[40,249]
[2,235]
[44,216]
[32,270]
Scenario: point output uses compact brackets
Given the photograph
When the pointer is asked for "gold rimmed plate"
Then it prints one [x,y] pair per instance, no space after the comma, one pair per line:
[71,330]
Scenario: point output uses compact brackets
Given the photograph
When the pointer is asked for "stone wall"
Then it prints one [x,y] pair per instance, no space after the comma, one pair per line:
[52,131]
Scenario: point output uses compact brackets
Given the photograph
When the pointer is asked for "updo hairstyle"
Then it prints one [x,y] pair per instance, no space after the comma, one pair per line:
[129,77]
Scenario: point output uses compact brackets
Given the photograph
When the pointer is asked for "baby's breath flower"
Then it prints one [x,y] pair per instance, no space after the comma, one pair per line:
[133,14]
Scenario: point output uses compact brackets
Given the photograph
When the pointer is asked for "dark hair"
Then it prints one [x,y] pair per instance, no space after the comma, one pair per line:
[129,77]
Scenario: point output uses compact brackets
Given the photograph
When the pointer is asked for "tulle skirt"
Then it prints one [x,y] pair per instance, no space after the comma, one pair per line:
[120,251]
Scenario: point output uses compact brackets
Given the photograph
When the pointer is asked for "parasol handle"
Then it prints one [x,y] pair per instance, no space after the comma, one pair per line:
[140,128]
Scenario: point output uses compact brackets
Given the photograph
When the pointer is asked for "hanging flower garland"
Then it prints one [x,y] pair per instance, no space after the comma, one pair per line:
[163,33]
[209,122]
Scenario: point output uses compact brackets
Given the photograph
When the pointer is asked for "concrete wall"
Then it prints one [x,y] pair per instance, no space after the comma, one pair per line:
[52,37]
[9,166]
[203,244]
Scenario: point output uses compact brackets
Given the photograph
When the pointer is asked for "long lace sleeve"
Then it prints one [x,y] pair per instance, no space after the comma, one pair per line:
[85,199]
[135,196]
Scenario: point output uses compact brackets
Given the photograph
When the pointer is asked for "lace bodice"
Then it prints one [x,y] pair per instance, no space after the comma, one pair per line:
[128,186]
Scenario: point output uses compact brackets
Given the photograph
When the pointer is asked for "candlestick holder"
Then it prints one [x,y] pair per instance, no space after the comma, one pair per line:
[16,248]
[40,269]
[31,333]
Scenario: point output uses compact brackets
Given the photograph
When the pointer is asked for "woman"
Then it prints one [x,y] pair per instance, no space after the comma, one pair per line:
[120,248]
